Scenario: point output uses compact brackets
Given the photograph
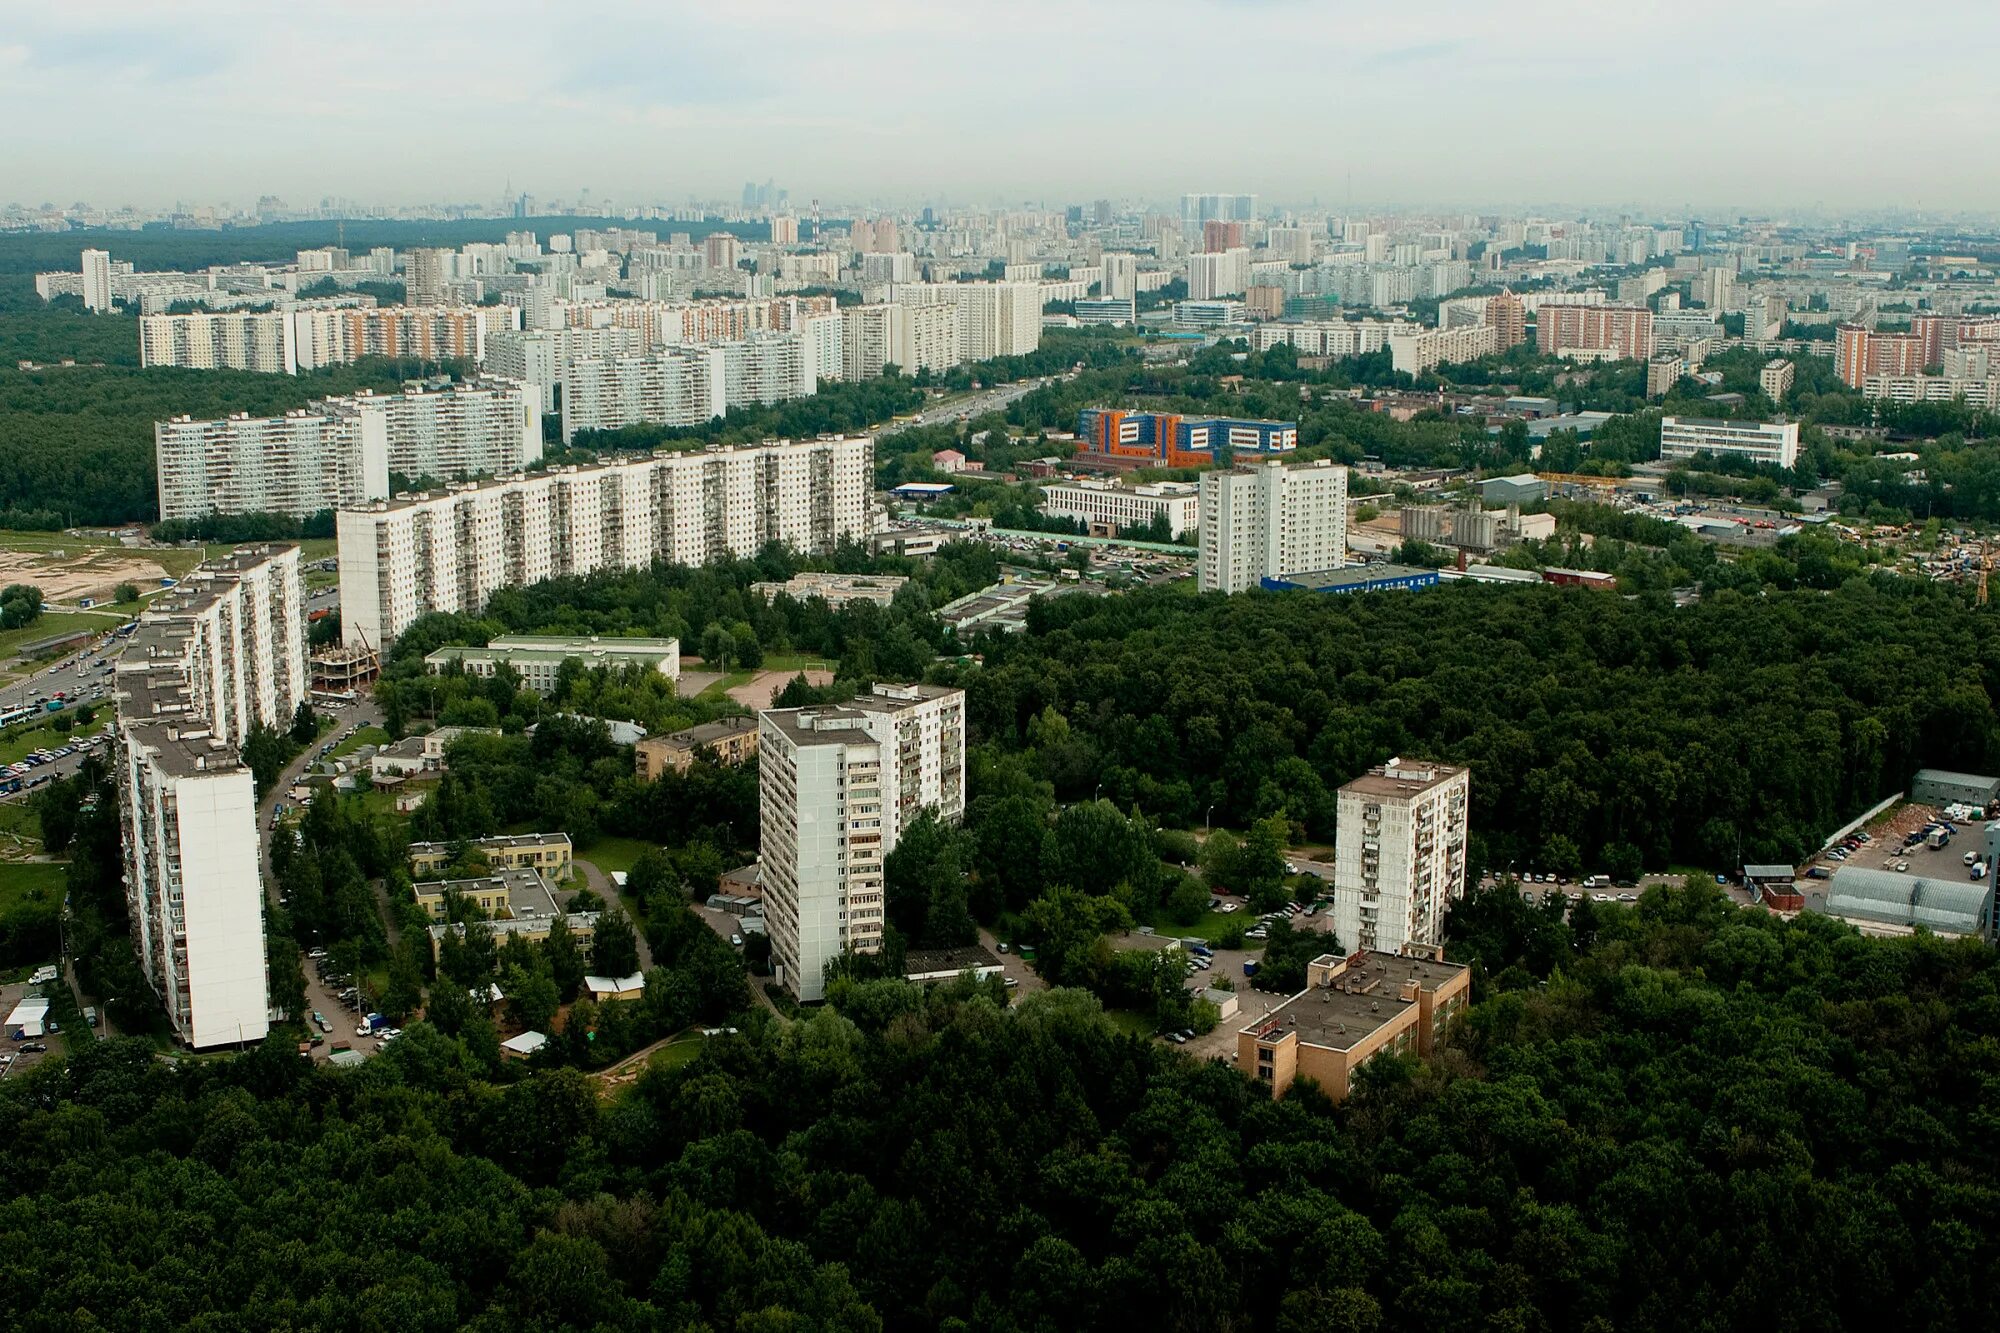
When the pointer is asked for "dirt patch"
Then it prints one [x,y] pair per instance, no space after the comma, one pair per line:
[87,572]
[770,684]
[692,683]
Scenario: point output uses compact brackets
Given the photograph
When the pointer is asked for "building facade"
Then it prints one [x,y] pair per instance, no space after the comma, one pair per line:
[1860,354]
[836,788]
[341,451]
[1772,442]
[1353,1009]
[1399,854]
[542,357]
[548,853]
[732,740]
[1269,520]
[1415,352]
[686,385]
[1775,379]
[1171,440]
[1109,505]
[225,340]
[221,653]
[450,551]
[539,658]
[1620,331]
[331,337]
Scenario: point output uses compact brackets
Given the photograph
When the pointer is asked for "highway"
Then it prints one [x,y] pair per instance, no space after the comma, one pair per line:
[972,404]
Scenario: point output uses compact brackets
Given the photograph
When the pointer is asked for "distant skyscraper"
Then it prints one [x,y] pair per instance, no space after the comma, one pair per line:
[1199,208]
[96,279]
[1218,235]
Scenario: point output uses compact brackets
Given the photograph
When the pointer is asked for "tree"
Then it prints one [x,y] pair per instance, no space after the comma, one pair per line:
[20,605]
[614,946]
[126,594]
[531,997]
[564,958]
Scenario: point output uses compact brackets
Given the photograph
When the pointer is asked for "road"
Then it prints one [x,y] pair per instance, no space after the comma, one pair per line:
[320,997]
[600,884]
[968,405]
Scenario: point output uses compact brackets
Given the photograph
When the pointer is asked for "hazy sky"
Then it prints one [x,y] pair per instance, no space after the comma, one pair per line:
[1773,103]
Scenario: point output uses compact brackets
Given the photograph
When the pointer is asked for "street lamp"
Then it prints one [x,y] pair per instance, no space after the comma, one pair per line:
[1100,793]
[1205,814]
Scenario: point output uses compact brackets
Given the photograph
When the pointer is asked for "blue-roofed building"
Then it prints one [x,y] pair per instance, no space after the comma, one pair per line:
[1355,578]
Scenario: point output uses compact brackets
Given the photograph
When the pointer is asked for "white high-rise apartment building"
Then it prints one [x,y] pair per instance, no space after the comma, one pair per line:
[1218,273]
[1772,442]
[1268,520]
[425,272]
[227,341]
[1121,276]
[336,452]
[836,788]
[674,386]
[479,427]
[688,385]
[1417,350]
[450,551]
[1399,854]
[221,653]
[297,464]
[1000,318]
[96,279]
[541,357]
[911,338]
[327,337]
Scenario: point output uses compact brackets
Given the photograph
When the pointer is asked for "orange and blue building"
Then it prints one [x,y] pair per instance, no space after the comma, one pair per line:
[1168,439]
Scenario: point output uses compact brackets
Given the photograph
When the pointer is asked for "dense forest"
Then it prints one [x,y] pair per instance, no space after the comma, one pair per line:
[76,442]
[1675,1116]
[1740,729]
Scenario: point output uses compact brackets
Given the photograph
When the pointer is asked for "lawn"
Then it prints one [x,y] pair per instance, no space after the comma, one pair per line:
[17,821]
[609,854]
[52,623]
[19,879]
[677,1054]
[1211,927]
[1132,1021]
[365,736]
[53,541]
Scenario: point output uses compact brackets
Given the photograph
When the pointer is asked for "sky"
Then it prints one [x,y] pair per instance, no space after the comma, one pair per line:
[1754,104]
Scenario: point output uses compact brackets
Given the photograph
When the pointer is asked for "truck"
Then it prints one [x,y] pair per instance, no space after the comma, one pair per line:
[1938,838]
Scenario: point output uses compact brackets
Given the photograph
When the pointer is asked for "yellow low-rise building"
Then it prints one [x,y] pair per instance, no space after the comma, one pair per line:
[1353,1009]
[733,740]
[547,852]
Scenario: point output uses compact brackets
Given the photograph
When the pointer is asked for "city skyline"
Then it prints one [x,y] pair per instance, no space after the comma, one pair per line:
[1734,107]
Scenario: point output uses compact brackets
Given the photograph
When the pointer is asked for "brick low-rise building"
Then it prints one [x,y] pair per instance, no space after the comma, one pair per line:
[1353,1009]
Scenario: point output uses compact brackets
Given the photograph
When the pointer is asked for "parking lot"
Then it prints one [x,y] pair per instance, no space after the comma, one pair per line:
[1885,844]
[18,1056]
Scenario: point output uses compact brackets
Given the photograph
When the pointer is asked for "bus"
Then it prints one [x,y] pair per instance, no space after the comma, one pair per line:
[12,715]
